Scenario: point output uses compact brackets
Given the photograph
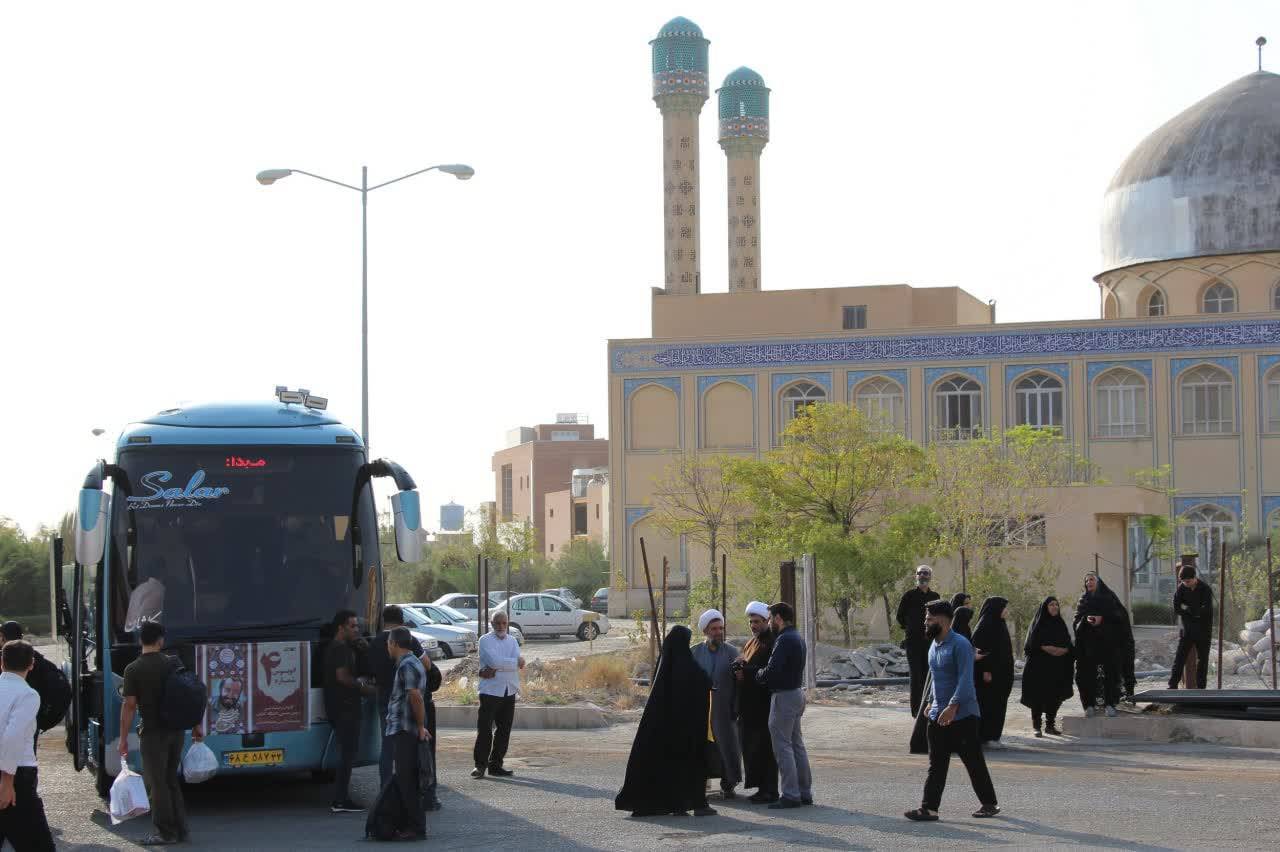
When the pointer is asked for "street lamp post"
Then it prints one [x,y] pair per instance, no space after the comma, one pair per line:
[270,176]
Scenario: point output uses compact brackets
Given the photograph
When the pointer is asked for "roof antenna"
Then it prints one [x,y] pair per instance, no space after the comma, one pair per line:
[1261,42]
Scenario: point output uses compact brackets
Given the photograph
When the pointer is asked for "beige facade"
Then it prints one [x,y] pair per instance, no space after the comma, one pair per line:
[577,514]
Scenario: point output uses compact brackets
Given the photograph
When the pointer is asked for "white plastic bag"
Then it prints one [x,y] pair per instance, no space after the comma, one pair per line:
[200,764]
[128,796]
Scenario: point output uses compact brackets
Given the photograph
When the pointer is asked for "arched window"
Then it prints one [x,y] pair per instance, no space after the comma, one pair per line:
[1202,531]
[1275,298]
[958,403]
[882,401]
[1155,303]
[1110,308]
[1037,400]
[1208,402]
[1219,299]
[1120,405]
[799,396]
[1273,400]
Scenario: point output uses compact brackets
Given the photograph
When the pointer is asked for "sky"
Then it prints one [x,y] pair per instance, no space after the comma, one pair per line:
[142,266]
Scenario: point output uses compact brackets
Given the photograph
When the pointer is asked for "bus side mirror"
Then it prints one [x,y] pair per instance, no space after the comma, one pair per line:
[408,516]
[91,525]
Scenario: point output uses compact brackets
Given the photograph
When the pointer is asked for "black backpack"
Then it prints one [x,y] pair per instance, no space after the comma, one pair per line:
[387,815]
[182,699]
[54,690]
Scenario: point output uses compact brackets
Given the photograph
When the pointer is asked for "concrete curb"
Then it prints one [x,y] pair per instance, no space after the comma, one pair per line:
[528,717]
[1147,727]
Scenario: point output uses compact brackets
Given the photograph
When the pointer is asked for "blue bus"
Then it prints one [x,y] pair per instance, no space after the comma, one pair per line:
[243,528]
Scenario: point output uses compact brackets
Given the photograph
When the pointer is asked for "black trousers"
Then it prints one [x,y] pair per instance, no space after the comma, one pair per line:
[1087,680]
[491,746]
[1048,710]
[23,824]
[346,733]
[960,737]
[1127,674]
[408,772]
[161,759]
[1185,643]
[918,662]
[759,764]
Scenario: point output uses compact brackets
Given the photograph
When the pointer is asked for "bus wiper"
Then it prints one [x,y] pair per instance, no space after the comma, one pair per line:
[280,625]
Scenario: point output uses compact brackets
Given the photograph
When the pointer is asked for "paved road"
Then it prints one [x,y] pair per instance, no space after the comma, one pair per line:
[1055,795]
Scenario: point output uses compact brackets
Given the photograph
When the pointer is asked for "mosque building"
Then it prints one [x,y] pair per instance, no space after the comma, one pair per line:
[1181,369]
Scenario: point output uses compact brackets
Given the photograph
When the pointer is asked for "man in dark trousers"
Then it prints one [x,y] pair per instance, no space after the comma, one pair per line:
[46,679]
[161,747]
[342,694]
[911,619]
[22,818]
[1193,603]
[406,728]
[953,718]
[784,676]
[382,661]
[500,665]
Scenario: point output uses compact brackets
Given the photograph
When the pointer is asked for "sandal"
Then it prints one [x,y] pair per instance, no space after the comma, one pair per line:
[921,815]
[986,811]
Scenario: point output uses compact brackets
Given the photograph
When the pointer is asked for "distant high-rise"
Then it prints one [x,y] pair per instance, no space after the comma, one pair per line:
[452,517]
[744,131]
[680,88]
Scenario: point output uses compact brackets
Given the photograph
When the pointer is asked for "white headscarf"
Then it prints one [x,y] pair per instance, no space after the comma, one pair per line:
[708,617]
[757,608]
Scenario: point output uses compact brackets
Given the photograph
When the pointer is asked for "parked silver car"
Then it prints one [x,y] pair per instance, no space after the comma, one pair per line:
[448,615]
[454,641]
[547,615]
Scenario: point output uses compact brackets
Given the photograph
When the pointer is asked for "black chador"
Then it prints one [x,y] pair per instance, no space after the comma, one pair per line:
[667,770]
[753,720]
[1046,679]
[991,637]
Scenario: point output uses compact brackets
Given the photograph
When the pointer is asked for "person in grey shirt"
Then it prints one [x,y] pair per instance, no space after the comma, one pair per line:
[715,657]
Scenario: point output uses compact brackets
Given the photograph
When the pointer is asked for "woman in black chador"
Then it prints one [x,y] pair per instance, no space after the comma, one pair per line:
[993,669]
[667,772]
[1102,628]
[1046,680]
[960,619]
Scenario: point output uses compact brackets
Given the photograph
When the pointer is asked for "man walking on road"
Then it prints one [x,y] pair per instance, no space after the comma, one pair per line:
[911,619]
[342,693]
[953,718]
[784,675]
[22,818]
[500,665]
[406,728]
[161,747]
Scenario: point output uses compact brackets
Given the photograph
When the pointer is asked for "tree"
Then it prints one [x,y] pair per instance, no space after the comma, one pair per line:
[1024,591]
[1157,530]
[582,567]
[695,498]
[991,495]
[839,487]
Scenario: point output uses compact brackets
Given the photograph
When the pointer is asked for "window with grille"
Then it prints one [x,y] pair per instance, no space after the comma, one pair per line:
[1120,405]
[882,401]
[799,396]
[1219,299]
[1155,304]
[958,406]
[855,316]
[507,496]
[1202,531]
[1037,400]
[1275,298]
[1208,402]
[1273,401]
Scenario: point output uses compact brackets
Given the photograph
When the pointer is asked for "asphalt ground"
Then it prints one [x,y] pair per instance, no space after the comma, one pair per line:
[1056,794]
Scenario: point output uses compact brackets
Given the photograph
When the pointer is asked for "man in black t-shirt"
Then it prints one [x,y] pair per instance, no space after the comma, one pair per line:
[342,693]
[384,670]
[911,612]
[1193,604]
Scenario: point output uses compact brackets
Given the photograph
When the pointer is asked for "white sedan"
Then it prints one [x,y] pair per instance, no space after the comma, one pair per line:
[547,615]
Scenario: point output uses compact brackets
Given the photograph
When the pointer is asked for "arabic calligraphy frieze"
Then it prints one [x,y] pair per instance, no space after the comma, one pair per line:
[950,347]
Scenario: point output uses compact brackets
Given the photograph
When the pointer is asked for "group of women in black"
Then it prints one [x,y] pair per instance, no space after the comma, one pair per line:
[1102,645]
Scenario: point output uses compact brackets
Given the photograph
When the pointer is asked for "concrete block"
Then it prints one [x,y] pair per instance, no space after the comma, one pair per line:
[1176,729]
[541,717]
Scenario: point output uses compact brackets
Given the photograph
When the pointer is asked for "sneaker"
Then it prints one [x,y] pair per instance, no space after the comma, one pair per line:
[1090,712]
[986,811]
[157,840]
[727,793]
[784,804]
[347,807]
[762,798]
[1039,734]
[478,772]
[1052,730]
[806,800]
[704,811]
[499,772]
[1112,712]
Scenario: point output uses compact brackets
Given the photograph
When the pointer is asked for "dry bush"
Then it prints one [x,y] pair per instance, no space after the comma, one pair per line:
[611,672]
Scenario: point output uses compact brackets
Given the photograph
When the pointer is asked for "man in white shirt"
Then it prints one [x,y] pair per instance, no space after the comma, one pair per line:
[22,819]
[500,665]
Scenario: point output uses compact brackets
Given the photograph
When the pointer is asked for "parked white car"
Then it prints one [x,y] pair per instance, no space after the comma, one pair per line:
[547,615]
[468,605]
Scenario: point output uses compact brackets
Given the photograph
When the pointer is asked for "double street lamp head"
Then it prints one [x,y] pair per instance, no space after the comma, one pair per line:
[266,177]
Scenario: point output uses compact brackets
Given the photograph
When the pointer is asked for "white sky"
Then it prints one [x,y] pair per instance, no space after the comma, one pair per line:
[929,143]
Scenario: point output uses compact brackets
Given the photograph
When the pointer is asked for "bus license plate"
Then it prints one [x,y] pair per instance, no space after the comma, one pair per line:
[256,757]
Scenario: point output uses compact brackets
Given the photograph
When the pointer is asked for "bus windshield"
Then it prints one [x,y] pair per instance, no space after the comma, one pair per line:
[241,542]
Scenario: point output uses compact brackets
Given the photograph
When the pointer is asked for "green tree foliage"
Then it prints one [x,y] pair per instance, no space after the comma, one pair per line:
[24,576]
[1024,590]
[695,498]
[582,567]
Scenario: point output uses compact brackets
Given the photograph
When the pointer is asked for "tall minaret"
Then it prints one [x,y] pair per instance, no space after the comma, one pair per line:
[744,131]
[680,88]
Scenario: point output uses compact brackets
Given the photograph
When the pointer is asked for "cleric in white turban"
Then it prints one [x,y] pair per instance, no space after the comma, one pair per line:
[757,608]
[716,658]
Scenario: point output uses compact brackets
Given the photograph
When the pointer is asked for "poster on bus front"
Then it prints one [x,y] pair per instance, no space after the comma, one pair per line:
[255,687]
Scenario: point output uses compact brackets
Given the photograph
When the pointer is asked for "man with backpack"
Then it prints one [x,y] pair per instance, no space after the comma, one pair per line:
[152,688]
[46,679]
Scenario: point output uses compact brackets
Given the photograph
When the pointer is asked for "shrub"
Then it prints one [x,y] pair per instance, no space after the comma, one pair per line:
[605,672]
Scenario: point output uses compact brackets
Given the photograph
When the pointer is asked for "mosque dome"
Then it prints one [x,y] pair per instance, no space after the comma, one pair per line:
[1205,183]
[743,105]
[680,60]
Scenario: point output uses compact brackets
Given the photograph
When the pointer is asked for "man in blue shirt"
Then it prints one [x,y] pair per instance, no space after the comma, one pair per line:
[406,727]
[953,717]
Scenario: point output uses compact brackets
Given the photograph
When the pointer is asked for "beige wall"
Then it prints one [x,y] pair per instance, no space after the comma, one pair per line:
[813,311]
[1253,277]
[558,520]
[539,468]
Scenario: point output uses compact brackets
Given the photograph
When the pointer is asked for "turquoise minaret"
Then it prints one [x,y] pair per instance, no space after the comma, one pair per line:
[744,131]
[680,88]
